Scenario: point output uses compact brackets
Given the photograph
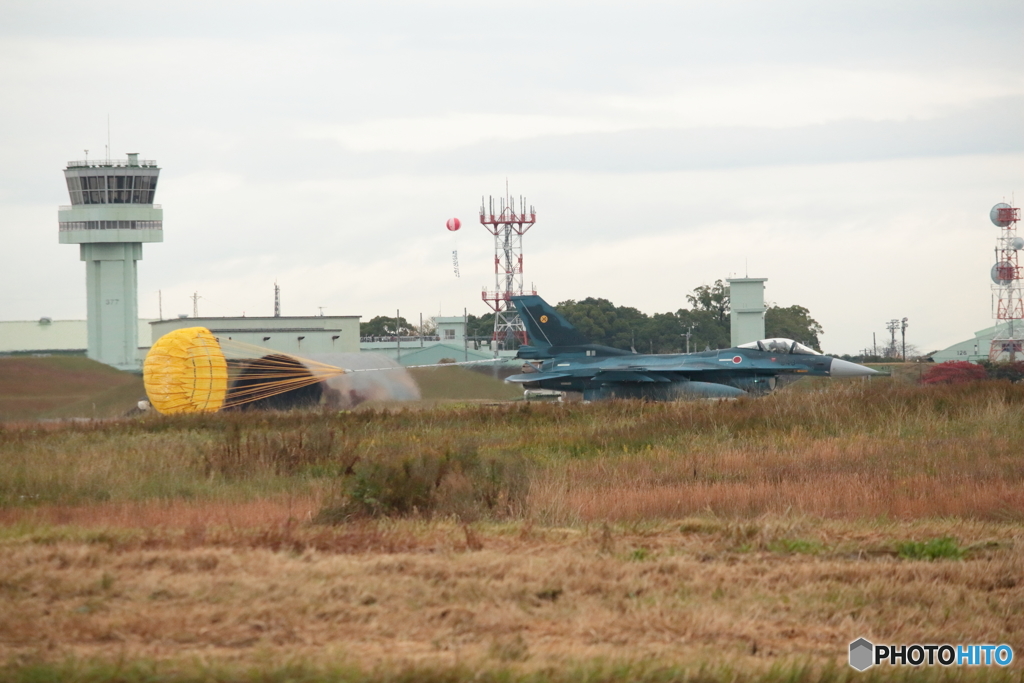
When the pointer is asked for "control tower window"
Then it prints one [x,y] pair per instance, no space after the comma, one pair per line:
[112,189]
[75,190]
[94,190]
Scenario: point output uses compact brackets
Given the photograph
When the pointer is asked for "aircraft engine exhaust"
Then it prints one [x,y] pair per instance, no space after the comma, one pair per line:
[339,392]
[391,383]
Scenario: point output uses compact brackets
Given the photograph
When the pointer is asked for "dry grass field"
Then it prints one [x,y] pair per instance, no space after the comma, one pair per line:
[743,540]
[64,386]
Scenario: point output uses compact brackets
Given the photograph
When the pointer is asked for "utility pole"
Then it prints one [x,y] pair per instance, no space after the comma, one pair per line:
[160,302]
[465,334]
[892,326]
[903,328]
[687,334]
[421,330]
[398,334]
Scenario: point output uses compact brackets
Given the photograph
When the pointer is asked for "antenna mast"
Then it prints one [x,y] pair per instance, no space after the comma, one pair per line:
[277,301]
[1008,341]
[508,228]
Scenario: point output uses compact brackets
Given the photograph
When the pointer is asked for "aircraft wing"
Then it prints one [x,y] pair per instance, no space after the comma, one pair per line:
[689,366]
[536,377]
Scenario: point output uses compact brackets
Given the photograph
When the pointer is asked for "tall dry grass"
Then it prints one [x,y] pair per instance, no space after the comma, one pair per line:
[391,594]
[850,450]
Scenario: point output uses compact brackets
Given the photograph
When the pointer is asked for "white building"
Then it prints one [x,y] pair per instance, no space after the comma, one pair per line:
[970,349]
[297,335]
[57,336]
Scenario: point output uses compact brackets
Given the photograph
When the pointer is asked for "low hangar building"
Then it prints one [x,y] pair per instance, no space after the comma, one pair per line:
[299,336]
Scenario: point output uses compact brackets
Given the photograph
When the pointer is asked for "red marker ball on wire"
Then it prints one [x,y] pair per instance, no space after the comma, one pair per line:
[453,225]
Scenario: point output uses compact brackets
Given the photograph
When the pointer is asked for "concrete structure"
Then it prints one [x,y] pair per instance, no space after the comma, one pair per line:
[300,336]
[111,215]
[974,350]
[62,336]
[746,304]
[451,330]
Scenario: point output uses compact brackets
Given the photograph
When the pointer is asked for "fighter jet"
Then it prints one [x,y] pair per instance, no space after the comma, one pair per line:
[559,357]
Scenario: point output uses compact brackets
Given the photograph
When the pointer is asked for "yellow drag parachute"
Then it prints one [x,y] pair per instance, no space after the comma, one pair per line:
[192,371]
[186,372]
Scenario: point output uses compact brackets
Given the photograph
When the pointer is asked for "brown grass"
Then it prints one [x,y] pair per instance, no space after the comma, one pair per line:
[749,532]
[828,478]
[532,597]
[65,386]
[165,514]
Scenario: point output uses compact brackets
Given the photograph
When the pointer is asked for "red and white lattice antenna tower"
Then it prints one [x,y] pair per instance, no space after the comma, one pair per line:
[508,227]
[1007,288]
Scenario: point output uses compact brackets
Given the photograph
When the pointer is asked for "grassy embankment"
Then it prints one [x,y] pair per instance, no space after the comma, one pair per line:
[64,386]
[746,534]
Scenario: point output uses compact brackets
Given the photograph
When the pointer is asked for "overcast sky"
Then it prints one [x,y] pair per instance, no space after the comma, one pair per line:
[847,151]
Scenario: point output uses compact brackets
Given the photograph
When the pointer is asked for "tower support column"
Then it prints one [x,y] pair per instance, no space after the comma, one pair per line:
[111,286]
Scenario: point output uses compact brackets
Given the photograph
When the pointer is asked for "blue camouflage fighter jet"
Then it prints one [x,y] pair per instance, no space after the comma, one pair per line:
[559,357]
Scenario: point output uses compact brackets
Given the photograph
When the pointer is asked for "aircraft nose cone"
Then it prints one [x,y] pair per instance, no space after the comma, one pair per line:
[844,368]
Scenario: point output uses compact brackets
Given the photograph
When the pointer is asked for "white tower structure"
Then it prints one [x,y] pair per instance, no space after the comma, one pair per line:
[746,309]
[1008,292]
[110,216]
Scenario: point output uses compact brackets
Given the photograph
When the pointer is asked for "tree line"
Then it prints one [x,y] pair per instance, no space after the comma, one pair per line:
[624,327]
[706,320]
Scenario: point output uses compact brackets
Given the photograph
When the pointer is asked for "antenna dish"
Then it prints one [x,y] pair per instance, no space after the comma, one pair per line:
[1000,221]
[1017,243]
[1003,273]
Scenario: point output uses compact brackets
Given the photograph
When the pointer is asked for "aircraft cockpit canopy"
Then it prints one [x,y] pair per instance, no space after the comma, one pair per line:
[780,345]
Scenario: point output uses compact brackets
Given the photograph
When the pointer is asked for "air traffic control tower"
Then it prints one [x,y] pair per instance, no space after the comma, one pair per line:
[111,215]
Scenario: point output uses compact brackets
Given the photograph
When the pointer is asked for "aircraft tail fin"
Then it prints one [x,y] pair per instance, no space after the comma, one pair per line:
[544,325]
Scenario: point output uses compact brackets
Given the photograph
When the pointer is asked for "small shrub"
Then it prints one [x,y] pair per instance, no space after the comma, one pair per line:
[935,549]
[1014,372]
[954,372]
[453,482]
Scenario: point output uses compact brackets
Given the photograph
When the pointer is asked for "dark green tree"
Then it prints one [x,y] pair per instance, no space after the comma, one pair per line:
[794,322]
[707,320]
[662,333]
[605,323]
[707,331]
[480,325]
[384,326]
[712,299]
